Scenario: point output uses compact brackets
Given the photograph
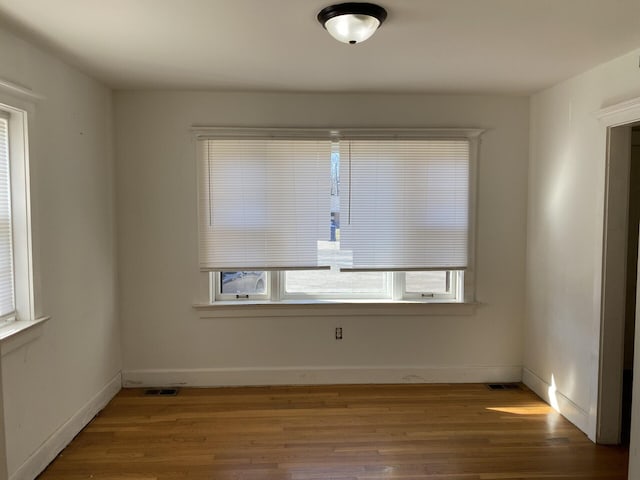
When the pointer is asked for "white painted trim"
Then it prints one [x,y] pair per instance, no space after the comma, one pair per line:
[18,333]
[16,90]
[292,308]
[20,114]
[3,448]
[615,115]
[560,402]
[202,132]
[53,445]
[620,113]
[217,377]
[614,278]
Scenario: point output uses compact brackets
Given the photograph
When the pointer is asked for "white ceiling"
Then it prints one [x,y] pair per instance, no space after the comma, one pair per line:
[452,46]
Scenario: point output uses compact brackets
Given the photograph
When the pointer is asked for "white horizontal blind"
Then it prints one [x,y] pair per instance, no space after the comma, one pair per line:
[405,203]
[7,299]
[264,203]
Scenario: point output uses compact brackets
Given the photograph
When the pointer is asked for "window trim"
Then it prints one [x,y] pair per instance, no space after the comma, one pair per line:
[395,292]
[5,118]
[17,103]
[465,287]
[362,308]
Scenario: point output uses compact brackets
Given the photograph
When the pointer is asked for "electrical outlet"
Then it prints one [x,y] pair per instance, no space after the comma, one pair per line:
[338,333]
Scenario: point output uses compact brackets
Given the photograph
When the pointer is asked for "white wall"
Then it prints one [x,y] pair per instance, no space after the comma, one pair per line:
[165,340]
[565,234]
[52,379]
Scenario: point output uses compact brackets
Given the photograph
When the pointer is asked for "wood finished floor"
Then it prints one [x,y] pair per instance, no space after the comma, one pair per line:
[436,432]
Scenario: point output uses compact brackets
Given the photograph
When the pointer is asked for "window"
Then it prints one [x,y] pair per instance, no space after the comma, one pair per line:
[7,298]
[349,215]
[16,290]
[242,285]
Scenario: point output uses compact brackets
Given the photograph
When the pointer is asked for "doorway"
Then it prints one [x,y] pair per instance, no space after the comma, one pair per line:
[620,264]
[631,284]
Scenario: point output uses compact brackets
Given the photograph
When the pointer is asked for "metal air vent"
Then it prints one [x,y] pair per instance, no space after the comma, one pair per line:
[503,386]
[161,392]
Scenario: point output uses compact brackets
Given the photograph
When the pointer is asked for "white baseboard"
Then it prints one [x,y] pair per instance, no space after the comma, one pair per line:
[217,377]
[564,405]
[51,447]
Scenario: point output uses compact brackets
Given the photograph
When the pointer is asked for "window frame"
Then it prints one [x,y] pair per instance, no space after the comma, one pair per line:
[18,112]
[10,316]
[456,290]
[463,289]
[395,291]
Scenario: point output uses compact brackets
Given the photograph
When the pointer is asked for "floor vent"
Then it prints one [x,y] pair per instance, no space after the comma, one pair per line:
[161,392]
[503,386]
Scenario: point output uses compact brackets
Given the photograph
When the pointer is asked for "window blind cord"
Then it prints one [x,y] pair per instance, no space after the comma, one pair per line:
[349,219]
[210,191]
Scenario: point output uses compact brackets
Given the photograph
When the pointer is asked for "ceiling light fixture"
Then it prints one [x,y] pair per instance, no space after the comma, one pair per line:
[352,22]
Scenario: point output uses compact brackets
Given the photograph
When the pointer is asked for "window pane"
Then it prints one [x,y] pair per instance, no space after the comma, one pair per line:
[427,282]
[7,299]
[333,281]
[243,283]
[329,281]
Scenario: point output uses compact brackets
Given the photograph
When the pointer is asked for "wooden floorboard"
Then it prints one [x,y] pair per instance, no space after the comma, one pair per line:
[352,432]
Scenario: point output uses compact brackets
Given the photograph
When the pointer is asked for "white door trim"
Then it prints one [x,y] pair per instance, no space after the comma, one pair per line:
[606,381]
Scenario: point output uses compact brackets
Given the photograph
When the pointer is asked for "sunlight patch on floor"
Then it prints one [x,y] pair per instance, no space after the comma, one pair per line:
[523,410]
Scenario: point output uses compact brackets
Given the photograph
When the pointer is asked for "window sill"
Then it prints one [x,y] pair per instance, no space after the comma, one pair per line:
[15,334]
[366,308]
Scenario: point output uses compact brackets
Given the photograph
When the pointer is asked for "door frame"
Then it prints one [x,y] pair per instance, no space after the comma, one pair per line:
[606,391]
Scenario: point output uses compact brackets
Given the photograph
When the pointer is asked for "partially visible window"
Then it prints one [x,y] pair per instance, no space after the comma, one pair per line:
[16,272]
[436,285]
[243,282]
[7,298]
[333,283]
[434,282]
[249,285]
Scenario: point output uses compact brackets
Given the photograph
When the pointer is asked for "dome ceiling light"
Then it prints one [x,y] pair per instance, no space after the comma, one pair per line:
[352,22]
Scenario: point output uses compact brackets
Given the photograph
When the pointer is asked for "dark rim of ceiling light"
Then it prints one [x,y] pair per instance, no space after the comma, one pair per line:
[352,8]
